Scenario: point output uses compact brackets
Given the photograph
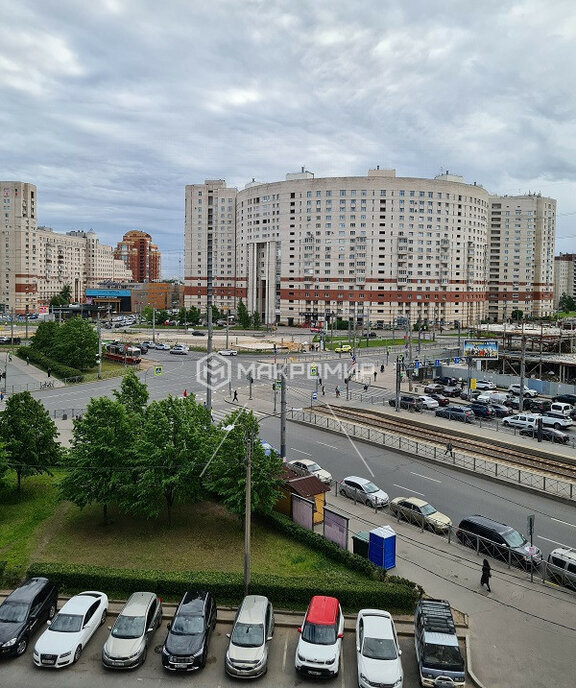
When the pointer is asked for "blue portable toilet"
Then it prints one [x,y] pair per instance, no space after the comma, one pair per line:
[382,547]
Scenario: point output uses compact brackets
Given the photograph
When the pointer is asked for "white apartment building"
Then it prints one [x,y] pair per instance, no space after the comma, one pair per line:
[376,248]
[564,276]
[37,262]
[521,256]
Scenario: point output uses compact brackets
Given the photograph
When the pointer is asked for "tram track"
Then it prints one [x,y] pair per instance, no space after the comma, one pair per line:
[553,465]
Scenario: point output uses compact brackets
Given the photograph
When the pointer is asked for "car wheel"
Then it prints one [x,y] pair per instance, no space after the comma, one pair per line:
[21,647]
[103,619]
[77,653]
[343,492]
[144,655]
[52,611]
[556,426]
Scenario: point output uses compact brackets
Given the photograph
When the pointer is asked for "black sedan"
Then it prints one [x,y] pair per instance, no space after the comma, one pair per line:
[549,434]
[186,645]
[441,399]
[460,413]
[482,410]
[501,411]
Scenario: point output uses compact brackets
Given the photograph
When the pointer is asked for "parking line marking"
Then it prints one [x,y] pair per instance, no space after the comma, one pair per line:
[327,445]
[564,522]
[554,541]
[300,451]
[408,489]
[284,654]
[426,477]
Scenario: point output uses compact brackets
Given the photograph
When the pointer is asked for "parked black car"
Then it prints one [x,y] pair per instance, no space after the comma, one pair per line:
[441,399]
[501,411]
[549,434]
[566,399]
[23,612]
[497,540]
[469,395]
[407,403]
[482,410]
[9,340]
[455,413]
[538,405]
[452,391]
[450,381]
[186,645]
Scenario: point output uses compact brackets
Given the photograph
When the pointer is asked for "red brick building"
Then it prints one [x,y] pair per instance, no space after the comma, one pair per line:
[139,255]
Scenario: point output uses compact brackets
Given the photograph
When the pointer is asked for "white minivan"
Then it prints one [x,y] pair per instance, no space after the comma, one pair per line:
[560,407]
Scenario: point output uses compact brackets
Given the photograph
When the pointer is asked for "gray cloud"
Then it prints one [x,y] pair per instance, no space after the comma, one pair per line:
[111,107]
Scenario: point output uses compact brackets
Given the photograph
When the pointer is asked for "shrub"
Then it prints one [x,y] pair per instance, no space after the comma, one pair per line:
[287,593]
[39,359]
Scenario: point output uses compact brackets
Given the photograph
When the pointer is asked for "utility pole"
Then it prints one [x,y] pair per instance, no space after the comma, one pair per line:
[409,354]
[99,358]
[522,371]
[27,313]
[247,514]
[283,414]
[227,329]
[153,325]
[397,383]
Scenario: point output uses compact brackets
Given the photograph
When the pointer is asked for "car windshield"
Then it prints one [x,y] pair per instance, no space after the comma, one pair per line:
[443,657]
[513,538]
[428,510]
[247,635]
[128,627]
[319,634]
[187,625]
[370,487]
[314,467]
[13,612]
[66,623]
[379,648]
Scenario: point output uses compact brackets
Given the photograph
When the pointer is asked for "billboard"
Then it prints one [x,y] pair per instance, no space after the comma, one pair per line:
[480,349]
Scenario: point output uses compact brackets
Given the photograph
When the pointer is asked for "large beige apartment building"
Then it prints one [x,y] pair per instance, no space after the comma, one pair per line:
[36,262]
[564,276]
[375,248]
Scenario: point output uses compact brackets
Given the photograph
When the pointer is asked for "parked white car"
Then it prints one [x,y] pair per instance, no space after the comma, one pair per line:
[485,384]
[377,650]
[307,466]
[515,389]
[363,490]
[553,419]
[522,420]
[427,402]
[69,631]
[228,352]
[249,640]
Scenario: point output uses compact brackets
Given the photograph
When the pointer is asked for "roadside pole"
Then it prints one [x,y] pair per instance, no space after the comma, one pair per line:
[283,414]
[397,383]
[99,358]
[247,514]
[522,372]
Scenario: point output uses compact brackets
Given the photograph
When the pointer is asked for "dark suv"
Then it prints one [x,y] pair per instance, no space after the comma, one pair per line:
[460,413]
[566,399]
[408,403]
[23,612]
[482,410]
[497,540]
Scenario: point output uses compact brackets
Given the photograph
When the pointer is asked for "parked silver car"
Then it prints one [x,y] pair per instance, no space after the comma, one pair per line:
[127,644]
[247,653]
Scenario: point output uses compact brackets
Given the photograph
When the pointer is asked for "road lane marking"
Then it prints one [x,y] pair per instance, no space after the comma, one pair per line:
[284,654]
[300,451]
[327,445]
[408,489]
[553,541]
[426,477]
[564,522]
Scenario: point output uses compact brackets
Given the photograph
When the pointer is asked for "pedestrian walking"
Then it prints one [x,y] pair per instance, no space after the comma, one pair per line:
[486,575]
[365,386]
[449,449]
[235,397]
[337,391]
[382,368]
[10,356]
[185,394]
[49,372]
[320,381]
[27,361]
[375,376]
[323,390]
[1,396]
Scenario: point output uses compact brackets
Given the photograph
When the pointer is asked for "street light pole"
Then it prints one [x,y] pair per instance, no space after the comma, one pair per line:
[99,348]
[283,414]
[153,325]
[247,514]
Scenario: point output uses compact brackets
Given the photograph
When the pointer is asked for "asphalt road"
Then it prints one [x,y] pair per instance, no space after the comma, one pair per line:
[89,672]
[455,493]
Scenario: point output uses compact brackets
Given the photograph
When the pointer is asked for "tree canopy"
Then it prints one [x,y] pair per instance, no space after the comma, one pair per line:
[133,394]
[567,303]
[29,436]
[242,315]
[73,343]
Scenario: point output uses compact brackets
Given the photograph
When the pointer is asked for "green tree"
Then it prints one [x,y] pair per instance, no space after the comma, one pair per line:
[216,315]
[162,316]
[243,316]
[517,315]
[29,436]
[567,304]
[226,475]
[45,337]
[256,320]
[133,394]
[194,315]
[63,297]
[174,444]
[148,313]
[101,460]
[76,344]
[182,312]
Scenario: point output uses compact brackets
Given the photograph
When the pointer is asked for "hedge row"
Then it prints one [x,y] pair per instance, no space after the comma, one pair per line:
[287,593]
[42,361]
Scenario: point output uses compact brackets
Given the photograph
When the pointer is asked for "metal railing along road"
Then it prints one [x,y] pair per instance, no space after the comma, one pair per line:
[485,466]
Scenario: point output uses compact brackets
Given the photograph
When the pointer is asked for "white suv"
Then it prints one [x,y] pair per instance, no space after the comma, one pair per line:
[556,420]
[515,389]
[320,642]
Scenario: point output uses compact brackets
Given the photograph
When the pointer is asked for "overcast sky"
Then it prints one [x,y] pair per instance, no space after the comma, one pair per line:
[112,106]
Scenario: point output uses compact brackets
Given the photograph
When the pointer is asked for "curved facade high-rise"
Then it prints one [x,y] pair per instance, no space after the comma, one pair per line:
[140,255]
[374,248]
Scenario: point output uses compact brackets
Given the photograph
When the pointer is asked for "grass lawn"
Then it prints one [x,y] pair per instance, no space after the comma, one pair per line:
[202,537]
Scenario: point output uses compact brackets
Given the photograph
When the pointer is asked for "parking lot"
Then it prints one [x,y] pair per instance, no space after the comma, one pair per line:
[89,672]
